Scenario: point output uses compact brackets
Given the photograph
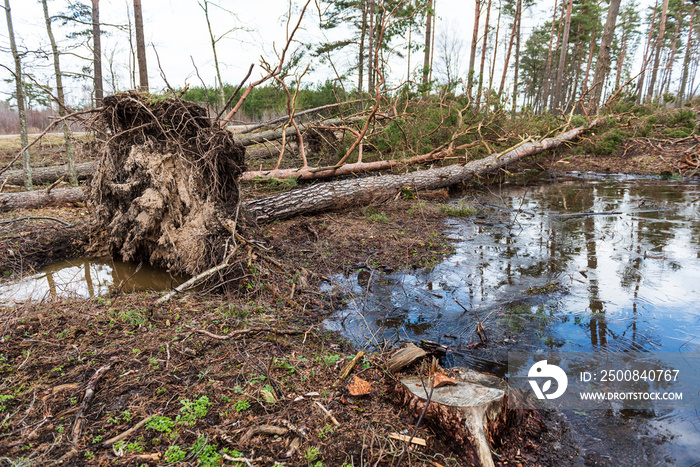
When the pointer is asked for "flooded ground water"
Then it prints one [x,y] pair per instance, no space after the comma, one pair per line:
[87,278]
[582,263]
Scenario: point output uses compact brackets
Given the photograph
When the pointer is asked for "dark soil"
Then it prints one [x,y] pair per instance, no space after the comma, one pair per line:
[214,368]
[275,364]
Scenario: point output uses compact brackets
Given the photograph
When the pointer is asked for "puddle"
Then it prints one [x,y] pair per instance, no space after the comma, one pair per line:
[87,278]
[624,281]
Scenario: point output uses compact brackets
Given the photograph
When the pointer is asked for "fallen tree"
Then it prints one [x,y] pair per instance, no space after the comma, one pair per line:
[352,192]
[42,175]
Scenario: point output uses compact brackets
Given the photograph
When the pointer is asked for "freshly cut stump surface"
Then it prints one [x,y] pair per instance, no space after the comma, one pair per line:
[469,413]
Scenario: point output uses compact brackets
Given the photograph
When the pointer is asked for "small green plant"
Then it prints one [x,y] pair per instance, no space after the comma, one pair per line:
[311,454]
[73,400]
[460,209]
[241,405]
[206,453]
[330,360]
[193,410]
[4,398]
[174,454]
[60,428]
[133,317]
[325,431]
[136,446]
[89,455]
[126,416]
[379,217]
[97,439]
[62,334]
[161,424]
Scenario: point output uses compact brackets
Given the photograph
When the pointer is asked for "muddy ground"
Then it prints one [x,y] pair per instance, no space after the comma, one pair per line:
[209,370]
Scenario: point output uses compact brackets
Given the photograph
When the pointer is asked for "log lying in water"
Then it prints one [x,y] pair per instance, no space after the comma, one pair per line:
[471,414]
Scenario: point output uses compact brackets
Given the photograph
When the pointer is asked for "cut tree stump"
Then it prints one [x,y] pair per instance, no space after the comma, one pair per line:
[471,414]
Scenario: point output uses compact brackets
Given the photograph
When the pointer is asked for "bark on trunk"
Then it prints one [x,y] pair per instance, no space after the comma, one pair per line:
[603,62]
[686,60]
[657,53]
[471,413]
[97,53]
[426,55]
[42,175]
[38,199]
[140,46]
[20,99]
[67,144]
[353,192]
[472,52]
[561,70]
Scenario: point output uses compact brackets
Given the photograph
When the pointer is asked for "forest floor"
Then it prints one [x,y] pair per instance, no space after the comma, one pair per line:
[245,379]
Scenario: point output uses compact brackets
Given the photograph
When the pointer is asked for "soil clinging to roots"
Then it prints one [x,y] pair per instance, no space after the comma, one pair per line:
[165,189]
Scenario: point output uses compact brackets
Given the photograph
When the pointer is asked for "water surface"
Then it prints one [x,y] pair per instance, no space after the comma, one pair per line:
[625,279]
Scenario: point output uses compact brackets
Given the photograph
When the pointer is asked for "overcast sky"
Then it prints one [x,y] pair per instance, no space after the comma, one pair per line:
[177,30]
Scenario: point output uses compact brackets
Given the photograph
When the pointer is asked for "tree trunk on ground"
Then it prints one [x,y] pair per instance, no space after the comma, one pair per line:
[686,60]
[20,99]
[42,175]
[561,71]
[657,53]
[140,47]
[353,192]
[343,193]
[603,62]
[97,53]
[39,199]
[426,56]
[67,144]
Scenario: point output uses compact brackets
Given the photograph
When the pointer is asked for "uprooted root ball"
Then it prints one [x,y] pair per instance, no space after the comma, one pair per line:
[165,189]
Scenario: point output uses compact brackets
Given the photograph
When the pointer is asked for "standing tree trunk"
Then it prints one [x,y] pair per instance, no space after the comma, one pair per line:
[558,91]
[428,48]
[505,65]
[647,51]
[20,100]
[548,68]
[657,53]
[67,144]
[483,53]
[603,63]
[97,53]
[204,5]
[686,60]
[495,50]
[472,53]
[672,58]
[370,54]
[141,47]
[361,57]
[518,14]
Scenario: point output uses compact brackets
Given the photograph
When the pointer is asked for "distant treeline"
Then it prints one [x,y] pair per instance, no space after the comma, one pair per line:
[266,102]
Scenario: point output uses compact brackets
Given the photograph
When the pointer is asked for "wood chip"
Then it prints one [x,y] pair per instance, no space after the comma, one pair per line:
[441,379]
[359,387]
[351,364]
[406,439]
[405,356]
